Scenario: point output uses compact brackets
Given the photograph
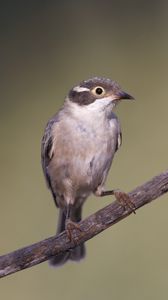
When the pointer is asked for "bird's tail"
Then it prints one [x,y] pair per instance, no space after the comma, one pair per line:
[78,252]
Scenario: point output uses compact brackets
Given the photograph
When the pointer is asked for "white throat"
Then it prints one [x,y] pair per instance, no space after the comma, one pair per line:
[99,107]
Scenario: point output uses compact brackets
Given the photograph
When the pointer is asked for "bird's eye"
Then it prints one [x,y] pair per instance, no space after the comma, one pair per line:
[98,91]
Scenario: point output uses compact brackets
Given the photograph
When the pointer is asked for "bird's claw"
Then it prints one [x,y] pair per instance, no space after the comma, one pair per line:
[125,201]
[70,226]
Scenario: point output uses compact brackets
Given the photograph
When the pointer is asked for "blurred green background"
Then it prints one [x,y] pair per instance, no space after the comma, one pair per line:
[47,47]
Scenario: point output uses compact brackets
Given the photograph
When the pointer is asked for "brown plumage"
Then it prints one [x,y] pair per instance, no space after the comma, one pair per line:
[78,147]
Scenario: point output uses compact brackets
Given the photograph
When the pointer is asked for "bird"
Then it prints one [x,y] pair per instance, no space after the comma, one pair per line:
[77,150]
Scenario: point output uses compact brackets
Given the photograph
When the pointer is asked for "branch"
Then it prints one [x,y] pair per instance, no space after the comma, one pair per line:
[91,226]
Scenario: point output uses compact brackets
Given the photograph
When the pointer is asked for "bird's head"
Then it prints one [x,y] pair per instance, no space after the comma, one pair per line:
[97,93]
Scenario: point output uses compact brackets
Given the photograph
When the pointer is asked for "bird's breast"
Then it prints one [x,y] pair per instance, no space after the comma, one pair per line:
[93,148]
[82,155]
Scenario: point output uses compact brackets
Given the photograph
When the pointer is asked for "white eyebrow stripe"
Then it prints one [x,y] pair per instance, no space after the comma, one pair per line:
[80,89]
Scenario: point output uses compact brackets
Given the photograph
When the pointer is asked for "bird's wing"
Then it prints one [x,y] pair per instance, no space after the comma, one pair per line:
[118,132]
[119,140]
[47,151]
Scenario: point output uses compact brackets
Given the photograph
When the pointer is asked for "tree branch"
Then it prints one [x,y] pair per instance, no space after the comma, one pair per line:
[91,226]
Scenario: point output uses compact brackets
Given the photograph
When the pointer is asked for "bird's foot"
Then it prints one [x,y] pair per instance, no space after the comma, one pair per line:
[125,201]
[70,226]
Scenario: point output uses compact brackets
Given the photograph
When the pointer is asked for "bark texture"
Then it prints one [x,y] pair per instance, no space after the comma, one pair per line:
[91,226]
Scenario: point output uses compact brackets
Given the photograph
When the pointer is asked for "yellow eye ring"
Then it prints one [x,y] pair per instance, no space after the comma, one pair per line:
[98,91]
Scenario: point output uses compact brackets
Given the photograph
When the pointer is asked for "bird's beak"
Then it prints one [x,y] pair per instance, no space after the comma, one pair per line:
[121,95]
